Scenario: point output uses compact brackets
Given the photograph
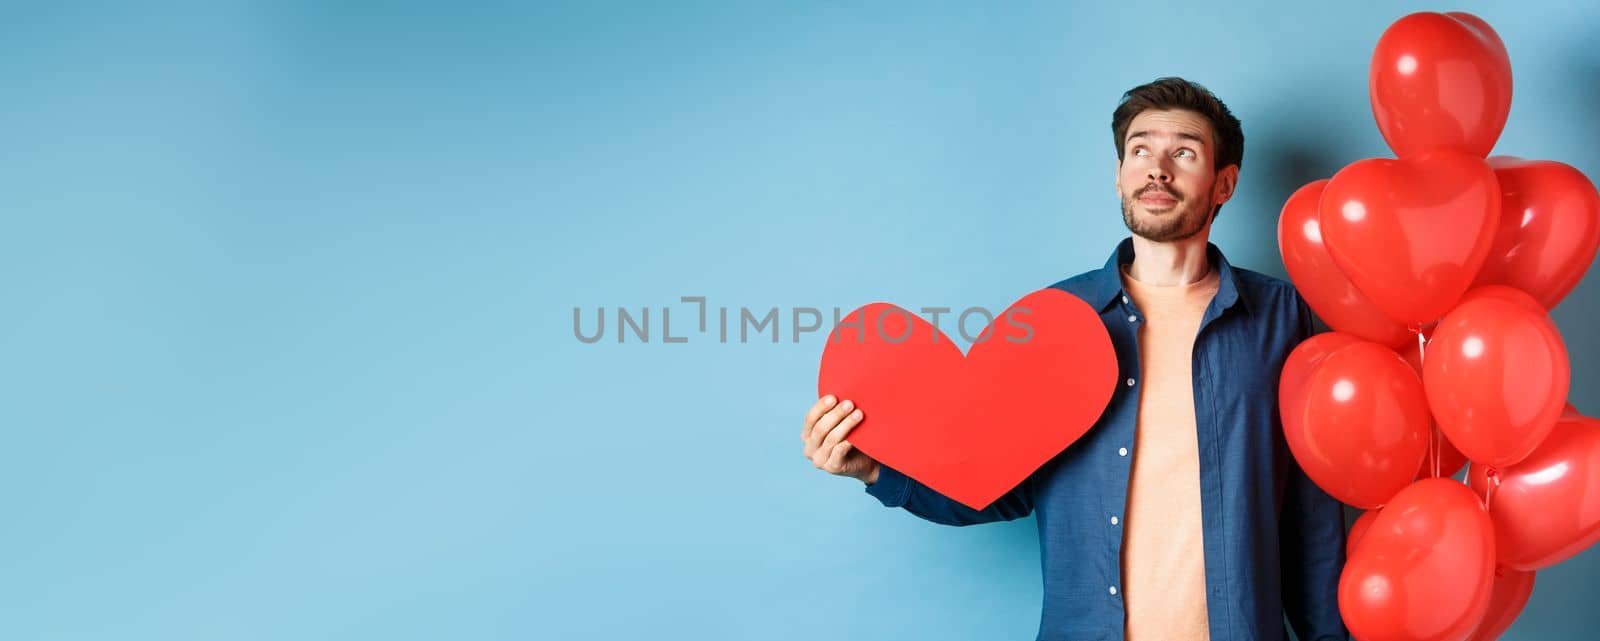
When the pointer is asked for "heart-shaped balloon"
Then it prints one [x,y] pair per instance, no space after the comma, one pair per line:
[1506,294]
[1354,417]
[1411,233]
[1359,530]
[1298,366]
[1549,229]
[1497,375]
[1333,297]
[1546,508]
[1506,600]
[1440,81]
[973,427]
[1424,570]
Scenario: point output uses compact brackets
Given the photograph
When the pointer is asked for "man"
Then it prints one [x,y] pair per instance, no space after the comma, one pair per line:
[1180,515]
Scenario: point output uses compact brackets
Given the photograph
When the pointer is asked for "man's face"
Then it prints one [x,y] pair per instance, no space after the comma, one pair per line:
[1165,177]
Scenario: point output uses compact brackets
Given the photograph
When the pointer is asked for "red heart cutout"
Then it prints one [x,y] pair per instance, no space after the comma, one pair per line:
[1411,233]
[974,427]
[1549,228]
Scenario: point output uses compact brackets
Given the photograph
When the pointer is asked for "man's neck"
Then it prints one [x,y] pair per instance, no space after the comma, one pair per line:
[1165,264]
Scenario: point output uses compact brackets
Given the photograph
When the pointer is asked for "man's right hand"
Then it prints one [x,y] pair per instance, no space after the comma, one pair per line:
[826,426]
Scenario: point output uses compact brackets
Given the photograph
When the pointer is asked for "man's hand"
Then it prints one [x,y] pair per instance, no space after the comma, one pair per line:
[827,424]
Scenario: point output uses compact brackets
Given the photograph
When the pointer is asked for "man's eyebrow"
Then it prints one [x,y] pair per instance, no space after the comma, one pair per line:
[1182,135]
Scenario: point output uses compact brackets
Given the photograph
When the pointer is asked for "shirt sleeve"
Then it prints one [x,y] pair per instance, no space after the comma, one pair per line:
[1311,543]
[895,489]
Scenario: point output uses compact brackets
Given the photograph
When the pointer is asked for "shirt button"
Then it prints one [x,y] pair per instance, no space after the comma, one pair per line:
[1113,590]
[1113,520]
[1130,382]
[1122,451]
[1133,319]
[1124,299]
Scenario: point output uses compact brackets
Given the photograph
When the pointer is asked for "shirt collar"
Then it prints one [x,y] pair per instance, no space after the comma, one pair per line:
[1107,281]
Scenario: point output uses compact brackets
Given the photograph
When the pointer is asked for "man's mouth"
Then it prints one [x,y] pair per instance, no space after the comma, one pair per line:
[1157,198]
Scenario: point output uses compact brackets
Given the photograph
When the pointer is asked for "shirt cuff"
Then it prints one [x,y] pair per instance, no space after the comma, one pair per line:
[891,488]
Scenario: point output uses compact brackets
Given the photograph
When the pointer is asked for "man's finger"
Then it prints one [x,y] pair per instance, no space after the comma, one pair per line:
[838,433]
[822,405]
[827,422]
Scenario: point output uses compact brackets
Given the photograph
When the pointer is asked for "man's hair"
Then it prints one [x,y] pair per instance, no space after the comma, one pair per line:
[1177,93]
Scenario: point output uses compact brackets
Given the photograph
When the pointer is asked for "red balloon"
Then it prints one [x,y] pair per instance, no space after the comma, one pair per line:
[1440,81]
[1510,593]
[1451,460]
[1359,529]
[1508,294]
[1549,229]
[1497,375]
[1332,296]
[1570,411]
[1411,233]
[1356,420]
[1297,367]
[1425,569]
[1547,507]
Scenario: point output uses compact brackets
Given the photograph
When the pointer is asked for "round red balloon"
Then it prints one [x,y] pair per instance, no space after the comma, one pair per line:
[1355,418]
[1549,229]
[1440,81]
[1332,296]
[1424,570]
[1411,233]
[1547,507]
[1497,375]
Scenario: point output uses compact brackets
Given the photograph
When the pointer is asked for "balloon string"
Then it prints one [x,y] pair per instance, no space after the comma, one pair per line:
[1493,477]
[1434,444]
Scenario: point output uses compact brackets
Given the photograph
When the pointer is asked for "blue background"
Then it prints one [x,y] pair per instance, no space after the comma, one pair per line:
[287,347]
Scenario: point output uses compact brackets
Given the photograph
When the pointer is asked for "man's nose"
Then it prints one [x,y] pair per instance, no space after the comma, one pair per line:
[1158,173]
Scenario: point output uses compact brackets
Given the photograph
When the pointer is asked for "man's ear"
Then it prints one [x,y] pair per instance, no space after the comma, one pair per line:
[1227,179]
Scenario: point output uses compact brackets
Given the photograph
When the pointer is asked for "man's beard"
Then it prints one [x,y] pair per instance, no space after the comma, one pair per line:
[1180,224]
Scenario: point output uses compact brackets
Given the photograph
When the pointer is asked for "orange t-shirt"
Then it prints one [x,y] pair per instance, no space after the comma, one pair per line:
[1163,558]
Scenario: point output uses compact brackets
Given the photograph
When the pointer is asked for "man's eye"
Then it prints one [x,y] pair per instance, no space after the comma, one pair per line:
[1181,152]
[1140,151]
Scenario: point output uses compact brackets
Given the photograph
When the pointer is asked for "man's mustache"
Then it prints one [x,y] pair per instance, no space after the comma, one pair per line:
[1155,187]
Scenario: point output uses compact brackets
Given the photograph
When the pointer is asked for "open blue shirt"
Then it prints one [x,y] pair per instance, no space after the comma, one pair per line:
[1273,541]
